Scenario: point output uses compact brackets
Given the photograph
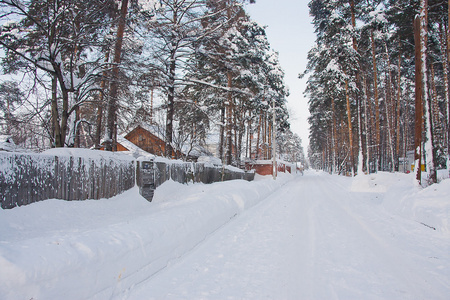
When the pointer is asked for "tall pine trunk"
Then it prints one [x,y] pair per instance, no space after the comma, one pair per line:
[222,132]
[350,129]
[429,146]
[56,128]
[445,52]
[101,96]
[398,108]
[418,102]
[111,132]
[170,106]
[333,135]
[358,102]
[377,105]
[366,124]
[229,120]
[446,69]
[389,109]
[258,138]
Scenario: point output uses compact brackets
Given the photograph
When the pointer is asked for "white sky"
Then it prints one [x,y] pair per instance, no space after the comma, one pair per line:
[291,33]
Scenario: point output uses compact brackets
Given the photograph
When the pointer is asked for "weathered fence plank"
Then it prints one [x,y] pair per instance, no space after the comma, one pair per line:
[152,174]
[27,178]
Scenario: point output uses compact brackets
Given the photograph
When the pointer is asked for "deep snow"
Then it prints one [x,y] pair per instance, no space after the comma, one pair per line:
[301,237]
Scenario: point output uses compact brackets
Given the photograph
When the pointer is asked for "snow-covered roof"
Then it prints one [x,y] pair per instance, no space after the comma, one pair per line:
[134,150]
[7,144]
[154,129]
[196,150]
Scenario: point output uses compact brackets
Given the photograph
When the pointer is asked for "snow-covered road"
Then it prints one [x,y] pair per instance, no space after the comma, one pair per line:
[316,238]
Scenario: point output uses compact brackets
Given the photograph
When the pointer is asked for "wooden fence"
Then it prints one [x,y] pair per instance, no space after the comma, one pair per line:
[150,175]
[27,178]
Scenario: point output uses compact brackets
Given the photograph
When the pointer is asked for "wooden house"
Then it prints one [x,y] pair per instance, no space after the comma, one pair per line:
[265,167]
[148,139]
[151,140]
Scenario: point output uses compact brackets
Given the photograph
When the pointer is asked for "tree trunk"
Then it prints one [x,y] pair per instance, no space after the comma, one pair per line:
[249,135]
[170,107]
[419,103]
[445,68]
[377,106]
[350,130]
[448,91]
[237,136]
[229,120]
[366,125]
[65,103]
[389,108]
[112,105]
[77,127]
[398,106]
[222,132]
[99,119]
[355,47]
[429,147]
[333,136]
[55,116]
[258,138]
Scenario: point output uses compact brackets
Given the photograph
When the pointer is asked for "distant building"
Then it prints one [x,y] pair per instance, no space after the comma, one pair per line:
[265,167]
[406,164]
[151,140]
[148,139]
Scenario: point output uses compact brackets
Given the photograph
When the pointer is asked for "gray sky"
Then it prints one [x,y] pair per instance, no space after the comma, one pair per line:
[291,33]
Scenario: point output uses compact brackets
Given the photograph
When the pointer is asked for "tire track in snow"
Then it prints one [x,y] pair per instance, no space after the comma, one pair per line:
[313,239]
[356,257]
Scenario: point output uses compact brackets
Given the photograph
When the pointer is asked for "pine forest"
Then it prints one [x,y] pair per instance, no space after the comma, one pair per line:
[200,72]
[378,86]
[84,73]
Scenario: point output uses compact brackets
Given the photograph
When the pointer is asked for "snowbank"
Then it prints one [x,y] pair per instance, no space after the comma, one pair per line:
[96,249]
[402,196]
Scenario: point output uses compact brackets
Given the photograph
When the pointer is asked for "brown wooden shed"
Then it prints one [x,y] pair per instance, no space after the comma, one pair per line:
[149,139]
[146,140]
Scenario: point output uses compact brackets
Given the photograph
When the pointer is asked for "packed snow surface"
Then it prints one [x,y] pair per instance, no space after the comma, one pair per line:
[300,237]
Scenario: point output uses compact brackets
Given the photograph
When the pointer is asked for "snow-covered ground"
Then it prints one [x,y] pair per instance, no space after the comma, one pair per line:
[307,237]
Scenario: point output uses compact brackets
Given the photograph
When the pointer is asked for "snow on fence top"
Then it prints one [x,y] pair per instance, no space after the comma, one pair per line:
[67,174]
[94,155]
[80,174]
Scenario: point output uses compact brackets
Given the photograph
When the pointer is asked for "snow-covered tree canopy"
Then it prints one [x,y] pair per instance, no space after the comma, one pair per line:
[360,86]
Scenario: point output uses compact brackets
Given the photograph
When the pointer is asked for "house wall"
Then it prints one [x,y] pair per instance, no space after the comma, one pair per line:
[266,168]
[146,141]
[120,147]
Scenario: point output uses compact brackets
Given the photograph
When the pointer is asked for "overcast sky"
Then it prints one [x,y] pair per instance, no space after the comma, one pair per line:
[291,33]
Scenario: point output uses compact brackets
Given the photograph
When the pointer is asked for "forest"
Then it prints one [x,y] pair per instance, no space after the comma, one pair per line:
[378,85]
[80,73]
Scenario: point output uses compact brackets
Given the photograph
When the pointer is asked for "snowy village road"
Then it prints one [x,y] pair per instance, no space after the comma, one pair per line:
[315,238]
